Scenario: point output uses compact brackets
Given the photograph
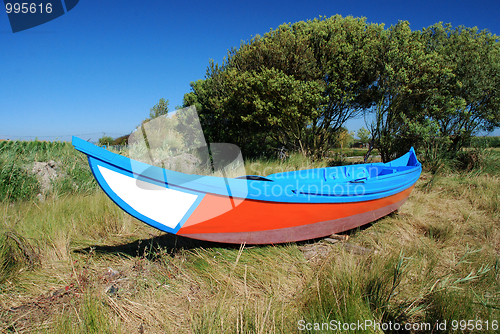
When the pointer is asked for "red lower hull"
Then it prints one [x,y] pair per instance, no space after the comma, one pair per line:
[260,222]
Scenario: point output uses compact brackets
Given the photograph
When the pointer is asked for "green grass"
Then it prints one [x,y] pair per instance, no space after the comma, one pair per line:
[18,183]
[436,260]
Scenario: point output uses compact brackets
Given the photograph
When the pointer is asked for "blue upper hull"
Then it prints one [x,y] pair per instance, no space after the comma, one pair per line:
[322,185]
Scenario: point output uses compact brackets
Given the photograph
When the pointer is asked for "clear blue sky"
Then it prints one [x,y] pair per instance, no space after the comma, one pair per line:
[103,65]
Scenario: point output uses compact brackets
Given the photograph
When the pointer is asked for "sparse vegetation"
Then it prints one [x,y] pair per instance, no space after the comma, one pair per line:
[76,263]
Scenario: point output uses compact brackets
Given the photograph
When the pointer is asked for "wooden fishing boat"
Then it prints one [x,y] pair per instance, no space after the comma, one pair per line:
[277,208]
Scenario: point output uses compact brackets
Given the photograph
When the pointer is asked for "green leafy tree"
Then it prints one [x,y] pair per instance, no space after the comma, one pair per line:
[320,73]
[346,50]
[159,109]
[407,84]
[105,140]
[438,88]
[363,135]
[256,107]
[297,85]
[469,98]
[344,138]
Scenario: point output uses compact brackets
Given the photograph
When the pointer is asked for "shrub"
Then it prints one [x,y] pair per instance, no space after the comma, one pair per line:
[105,140]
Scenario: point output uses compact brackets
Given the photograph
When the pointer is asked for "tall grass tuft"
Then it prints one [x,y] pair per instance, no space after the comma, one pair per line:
[16,253]
[368,289]
[94,318]
[90,316]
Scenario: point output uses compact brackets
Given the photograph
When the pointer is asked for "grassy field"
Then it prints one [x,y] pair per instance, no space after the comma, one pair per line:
[72,262]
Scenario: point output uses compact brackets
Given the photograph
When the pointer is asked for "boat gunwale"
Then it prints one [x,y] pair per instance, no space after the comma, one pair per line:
[120,163]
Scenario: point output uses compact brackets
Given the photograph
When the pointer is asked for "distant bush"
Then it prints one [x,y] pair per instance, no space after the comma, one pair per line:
[123,140]
[495,142]
[105,140]
[485,142]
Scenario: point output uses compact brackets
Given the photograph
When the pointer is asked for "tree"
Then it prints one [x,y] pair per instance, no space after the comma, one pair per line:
[297,85]
[105,140]
[256,106]
[278,103]
[320,73]
[344,138]
[363,135]
[470,98]
[159,109]
[346,50]
[406,85]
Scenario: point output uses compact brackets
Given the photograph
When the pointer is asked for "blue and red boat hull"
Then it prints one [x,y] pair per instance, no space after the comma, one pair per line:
[280,208]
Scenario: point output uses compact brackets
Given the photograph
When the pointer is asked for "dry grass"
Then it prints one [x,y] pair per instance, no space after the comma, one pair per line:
[102,271]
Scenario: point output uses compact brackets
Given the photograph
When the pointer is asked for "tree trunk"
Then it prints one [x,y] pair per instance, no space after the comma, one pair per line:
[370,148]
